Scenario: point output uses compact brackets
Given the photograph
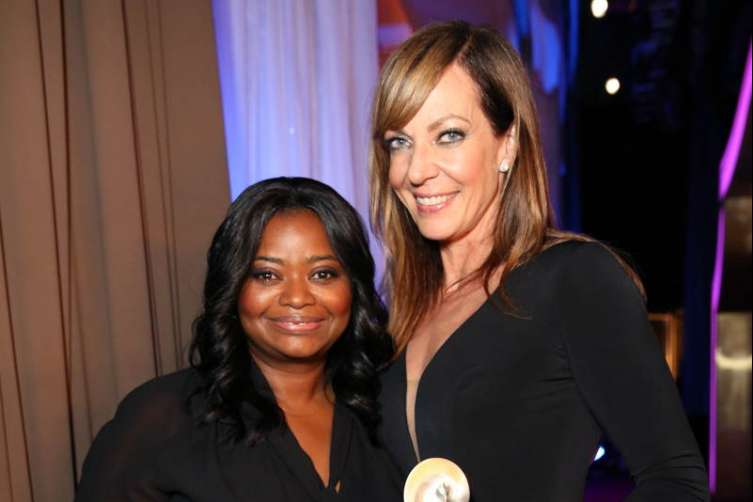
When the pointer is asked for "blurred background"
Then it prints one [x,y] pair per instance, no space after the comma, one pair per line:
[127,126]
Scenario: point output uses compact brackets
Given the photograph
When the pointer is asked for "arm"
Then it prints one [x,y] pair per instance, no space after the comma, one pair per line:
[623,377]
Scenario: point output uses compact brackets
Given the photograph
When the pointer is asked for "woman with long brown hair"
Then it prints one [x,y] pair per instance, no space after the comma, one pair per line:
[519,345]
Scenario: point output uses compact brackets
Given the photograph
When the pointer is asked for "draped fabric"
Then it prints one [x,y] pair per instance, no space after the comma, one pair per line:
[112,180]
[297,79]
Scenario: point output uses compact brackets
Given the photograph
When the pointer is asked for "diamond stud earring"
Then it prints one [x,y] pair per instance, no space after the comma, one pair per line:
[504,166]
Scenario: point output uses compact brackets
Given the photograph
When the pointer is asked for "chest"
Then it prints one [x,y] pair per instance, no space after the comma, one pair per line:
[313,433]
[495,375]
[444,320]
[492,363]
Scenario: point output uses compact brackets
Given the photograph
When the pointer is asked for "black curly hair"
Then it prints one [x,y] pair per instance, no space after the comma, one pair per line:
[219,350]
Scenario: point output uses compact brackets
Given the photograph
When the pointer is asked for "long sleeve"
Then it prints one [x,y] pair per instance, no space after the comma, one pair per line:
[621,374]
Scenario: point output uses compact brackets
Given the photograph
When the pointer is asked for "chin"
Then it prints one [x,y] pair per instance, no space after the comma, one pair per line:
[433,232]
[303,353]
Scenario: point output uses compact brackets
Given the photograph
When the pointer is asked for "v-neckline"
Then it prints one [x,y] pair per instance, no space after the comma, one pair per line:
[437,354]
[293,455]
[302,467]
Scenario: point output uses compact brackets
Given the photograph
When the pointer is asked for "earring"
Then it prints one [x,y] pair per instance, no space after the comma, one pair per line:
[504,166]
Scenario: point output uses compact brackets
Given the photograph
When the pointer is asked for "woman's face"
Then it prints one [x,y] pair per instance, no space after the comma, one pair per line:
[296,303]
[444,162]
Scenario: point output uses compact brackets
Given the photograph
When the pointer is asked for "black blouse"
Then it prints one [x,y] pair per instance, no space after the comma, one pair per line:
[153,450]
[520,400]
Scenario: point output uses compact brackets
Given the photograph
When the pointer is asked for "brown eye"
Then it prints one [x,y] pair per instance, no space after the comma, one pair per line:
[263,276]
[326,274]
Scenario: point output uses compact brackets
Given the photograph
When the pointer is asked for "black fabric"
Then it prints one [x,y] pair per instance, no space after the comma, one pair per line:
[519,401]
[154,450]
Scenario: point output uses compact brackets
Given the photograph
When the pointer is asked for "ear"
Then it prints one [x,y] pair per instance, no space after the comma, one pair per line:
[508,147]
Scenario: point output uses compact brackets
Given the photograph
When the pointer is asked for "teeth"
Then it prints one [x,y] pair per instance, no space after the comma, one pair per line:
[432,201]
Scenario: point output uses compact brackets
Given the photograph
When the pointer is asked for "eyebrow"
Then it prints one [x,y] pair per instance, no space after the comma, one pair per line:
[439,121]
[311,259]
[322,258]
[269,258]
[434,125]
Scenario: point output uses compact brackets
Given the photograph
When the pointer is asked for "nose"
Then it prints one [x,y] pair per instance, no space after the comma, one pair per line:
[296,293]
[423,166]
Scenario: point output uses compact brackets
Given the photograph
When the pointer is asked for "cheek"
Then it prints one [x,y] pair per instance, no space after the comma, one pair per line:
[252,302]
[398,189]
[345,302]
[477,172]
[338,302]
[396,173]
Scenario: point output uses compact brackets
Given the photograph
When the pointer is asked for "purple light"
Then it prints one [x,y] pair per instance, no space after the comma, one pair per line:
[732,151]
[716,290]
[726,172]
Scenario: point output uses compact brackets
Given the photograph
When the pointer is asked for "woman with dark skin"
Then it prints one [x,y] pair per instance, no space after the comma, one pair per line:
[280,401]
[519,345]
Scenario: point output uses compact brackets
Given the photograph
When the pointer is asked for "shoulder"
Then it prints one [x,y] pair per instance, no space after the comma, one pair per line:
[584,262]
[575,275]
[129,449]
[162,401]
[574,253]
[587,280]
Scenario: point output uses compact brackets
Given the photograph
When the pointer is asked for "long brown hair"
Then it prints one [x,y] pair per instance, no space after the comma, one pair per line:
[525,226]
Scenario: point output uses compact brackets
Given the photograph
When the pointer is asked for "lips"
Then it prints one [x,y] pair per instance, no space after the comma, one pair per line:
[431,203]
[297,324]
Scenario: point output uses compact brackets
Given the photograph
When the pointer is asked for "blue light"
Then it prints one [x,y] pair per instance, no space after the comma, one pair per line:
[599,453]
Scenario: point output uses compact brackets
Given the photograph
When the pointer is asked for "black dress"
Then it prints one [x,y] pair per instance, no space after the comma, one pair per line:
[153,450]
[520,401]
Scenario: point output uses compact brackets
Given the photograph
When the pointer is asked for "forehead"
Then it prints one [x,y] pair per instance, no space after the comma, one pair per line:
[293,232]
[455,94]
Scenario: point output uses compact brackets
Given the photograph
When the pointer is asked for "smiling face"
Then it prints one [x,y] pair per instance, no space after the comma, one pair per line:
[444,162]
[296,302]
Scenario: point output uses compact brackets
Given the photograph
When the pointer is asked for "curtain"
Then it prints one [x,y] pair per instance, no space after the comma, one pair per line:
[297,79]
[112,180]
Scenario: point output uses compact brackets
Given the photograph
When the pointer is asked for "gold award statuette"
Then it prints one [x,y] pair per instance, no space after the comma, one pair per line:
[436,480]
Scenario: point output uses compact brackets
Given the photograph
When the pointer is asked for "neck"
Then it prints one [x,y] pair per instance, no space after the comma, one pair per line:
[463,256]
[296,386]
[461,259]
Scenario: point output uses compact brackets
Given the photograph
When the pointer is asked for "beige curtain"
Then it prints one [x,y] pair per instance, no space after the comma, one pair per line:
[112,180]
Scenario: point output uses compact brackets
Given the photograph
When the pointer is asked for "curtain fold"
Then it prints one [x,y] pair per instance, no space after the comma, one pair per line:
[112,180]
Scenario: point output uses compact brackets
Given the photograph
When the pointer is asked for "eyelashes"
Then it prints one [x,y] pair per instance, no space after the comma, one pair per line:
[396,143]
[326,274]
[400,142]
[264,276]
[451,136]
[322,275]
